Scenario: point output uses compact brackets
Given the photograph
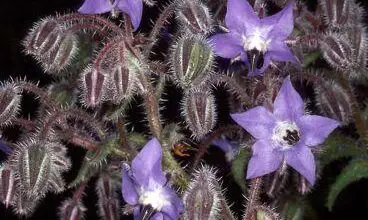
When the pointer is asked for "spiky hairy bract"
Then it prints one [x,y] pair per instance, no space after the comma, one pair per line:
[202,198]
[195,16]
[7,185]
[51,44]
[10,99]
[93,86]
[191,60]
[199,110]
[37,169]
[334,101]
[337,13]
[108,199]
[72,210]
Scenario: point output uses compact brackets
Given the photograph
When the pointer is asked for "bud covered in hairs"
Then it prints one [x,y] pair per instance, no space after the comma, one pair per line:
[43,37]
[334,101]
[72,210]
[199,111]
[202,198]
[337,51]
[61,55]
[93,87]
[195,16]
[10,99]
[108,199]
[7,185]
[191,60]
[336,12]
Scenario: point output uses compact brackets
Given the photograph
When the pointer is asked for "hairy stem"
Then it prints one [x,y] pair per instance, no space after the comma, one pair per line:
[253,200]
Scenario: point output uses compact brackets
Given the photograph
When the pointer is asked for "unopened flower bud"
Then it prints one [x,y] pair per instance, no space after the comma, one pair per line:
[191,60]
[43,37]
[72,210]
[195,16]
[94,85]
[108,199]
[61,55]
[123,82]
[7,185]
[198,108]
[10,98]
[202,198]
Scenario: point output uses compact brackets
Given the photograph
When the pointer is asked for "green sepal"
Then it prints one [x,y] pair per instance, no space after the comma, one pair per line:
[238,167]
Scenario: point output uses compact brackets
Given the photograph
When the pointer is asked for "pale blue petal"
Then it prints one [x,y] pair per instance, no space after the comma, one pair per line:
[265,159]
[302,160]
[227,45]
[134,8]
[240,16]
[128,188]
[95,7]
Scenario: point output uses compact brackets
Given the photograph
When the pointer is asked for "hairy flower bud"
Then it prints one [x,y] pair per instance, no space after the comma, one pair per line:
[43,37]
[108,200]
[94,87]
[61,55]
[7,185]
[195,16]
[336,12]
[71,210]
[10,98]
[337,51]
[202,198]
[123,83]
[199,110]
[334,101]
[191,59]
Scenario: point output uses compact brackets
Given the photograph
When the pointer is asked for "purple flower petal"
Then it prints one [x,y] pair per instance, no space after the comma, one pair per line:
[157,216]
[315,129]
[279,51]
[146,165]
[240,16]
[137,213]
[258,121]
[302,160]
[5,148]
[175,208]
[95,7]
[134,8]
[288,104]
[128,189]
[265,159]
[282,23]
[227,45]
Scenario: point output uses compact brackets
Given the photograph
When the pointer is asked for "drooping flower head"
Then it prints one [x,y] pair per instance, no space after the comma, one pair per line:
[134,8]
[254,40]
[285,135]
[145,187]
[230,148]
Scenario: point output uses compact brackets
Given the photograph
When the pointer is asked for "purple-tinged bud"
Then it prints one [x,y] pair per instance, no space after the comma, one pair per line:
[336,12]
[94,87]
[195,16]
[358,37]
[337,51]
[108,199]
[10,99]
[7,185]
[202,198]
[61,55]
[71,210]
[123,83]
[43,37]
[199,111]
[63,93]
[24,204]
[334,101]
[191,60]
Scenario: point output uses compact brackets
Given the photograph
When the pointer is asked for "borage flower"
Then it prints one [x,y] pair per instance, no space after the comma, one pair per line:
[255,41]
[145,187]
[134,8]
[284,135]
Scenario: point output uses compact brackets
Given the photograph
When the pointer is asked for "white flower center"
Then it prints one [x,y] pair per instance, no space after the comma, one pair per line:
[286,134]
[155,198]
[255,41]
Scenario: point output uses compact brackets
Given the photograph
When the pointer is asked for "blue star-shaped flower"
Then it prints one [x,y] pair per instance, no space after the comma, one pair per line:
[255,41]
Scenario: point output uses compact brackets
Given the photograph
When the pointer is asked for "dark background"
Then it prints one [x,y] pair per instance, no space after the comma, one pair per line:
[16,17]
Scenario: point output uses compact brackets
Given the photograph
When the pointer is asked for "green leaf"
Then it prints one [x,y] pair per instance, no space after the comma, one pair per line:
[338,146]
[238,167]
[356,170]
[296,209]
